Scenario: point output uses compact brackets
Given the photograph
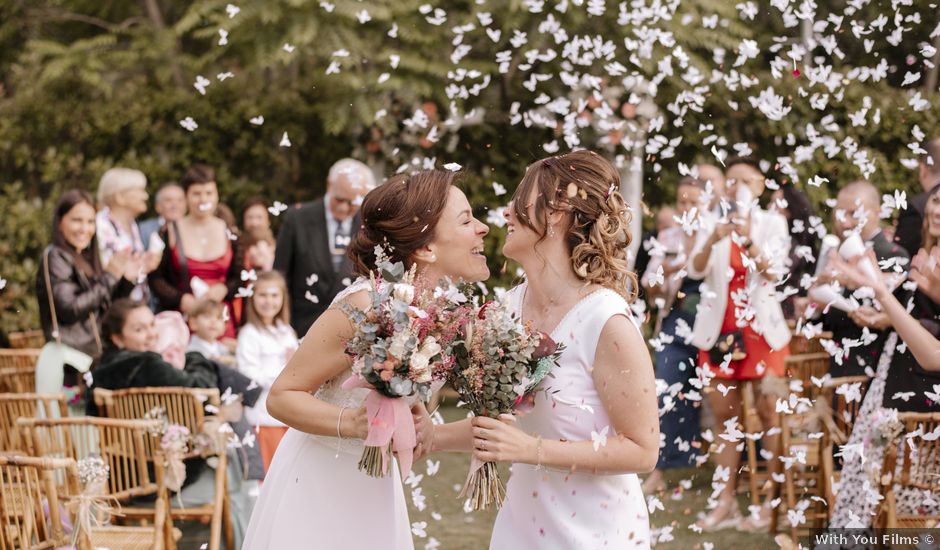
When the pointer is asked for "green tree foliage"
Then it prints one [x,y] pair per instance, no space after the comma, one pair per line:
[86,85]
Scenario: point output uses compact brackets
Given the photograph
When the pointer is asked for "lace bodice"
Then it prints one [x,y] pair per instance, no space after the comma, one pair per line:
[332,391]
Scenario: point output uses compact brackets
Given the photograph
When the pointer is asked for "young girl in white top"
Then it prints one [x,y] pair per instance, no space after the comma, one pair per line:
[265,344]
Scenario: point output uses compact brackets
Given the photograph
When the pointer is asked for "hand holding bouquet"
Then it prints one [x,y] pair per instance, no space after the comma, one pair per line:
[400,344]
[498,364]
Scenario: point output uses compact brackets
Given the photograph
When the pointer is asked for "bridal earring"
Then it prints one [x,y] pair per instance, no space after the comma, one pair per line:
[551,230]
[433,257]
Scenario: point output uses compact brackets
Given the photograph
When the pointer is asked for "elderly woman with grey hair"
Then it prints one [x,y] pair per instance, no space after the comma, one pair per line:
[123,194]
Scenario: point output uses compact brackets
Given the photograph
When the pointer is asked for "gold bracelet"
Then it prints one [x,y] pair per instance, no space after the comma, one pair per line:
[339,435]
[538,452]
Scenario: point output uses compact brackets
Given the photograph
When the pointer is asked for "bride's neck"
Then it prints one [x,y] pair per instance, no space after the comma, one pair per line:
[550,282]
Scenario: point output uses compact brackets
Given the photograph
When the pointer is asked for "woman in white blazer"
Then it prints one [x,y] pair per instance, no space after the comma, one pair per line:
[741,255]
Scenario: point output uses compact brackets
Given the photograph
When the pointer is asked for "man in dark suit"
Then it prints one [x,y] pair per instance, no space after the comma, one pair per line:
[911,221]
[311,244]
[857,209]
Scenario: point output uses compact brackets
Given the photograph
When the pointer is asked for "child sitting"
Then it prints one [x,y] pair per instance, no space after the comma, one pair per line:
[207,323]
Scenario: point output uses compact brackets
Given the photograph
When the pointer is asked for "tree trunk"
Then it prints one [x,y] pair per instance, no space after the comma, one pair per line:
[930,83]
[631,187]
[155,14]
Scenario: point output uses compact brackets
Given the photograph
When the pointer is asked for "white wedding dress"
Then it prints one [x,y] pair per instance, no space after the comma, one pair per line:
[314,495]
[550,509]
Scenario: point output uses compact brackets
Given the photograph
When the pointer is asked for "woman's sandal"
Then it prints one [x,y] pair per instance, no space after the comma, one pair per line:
[759,525]
[732,517]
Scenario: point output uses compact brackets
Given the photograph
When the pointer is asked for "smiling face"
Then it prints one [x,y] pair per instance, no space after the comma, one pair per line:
[78,226]
[932,216]
[268,300]
[171,203]
[457,247]
[139,332]
[520,238]
[133,199]
[345,196]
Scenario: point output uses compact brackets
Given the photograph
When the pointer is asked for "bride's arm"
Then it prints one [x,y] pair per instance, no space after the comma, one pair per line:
[624,378]
[453,436]
[321,357]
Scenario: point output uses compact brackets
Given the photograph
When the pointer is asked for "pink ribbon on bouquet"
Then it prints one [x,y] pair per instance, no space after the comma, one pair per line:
[390,420]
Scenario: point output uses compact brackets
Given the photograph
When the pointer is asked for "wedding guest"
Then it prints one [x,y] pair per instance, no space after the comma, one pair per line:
[197,260]
[311,245]
[665,219]
[255,215]
[256,247]
[861,340]
[81,291]
[259,246]
[795,206]
[714,178]
[123,193]
[901,383]
[742,258]
[130,362]
[265,343]
[676,298]
[662,220]
[910,222]
[170,205]
[206,322]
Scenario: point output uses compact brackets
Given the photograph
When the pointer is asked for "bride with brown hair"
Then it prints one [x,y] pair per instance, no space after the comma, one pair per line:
[314,494]
[576,454]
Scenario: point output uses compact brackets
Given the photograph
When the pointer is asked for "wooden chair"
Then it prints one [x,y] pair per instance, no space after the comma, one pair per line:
[838,428]
[800,437]
[25,405]
[186,407]
[34,493]
[122,444]
[922,476]
[18,370]
[25,484]
[27,339]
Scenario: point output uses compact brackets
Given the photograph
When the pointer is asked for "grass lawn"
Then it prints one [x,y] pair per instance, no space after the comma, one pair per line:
[433,500]
[452,528]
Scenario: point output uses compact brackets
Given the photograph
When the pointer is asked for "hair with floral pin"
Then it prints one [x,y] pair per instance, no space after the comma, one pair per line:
[585,185]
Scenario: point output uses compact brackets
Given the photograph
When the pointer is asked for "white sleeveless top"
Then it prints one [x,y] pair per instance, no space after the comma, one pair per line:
[558,509]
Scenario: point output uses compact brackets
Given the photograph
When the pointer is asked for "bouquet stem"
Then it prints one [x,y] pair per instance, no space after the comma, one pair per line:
[374,461]
[483,487]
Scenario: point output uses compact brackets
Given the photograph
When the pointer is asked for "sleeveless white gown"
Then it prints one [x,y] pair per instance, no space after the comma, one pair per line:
[314,495]
[552,509]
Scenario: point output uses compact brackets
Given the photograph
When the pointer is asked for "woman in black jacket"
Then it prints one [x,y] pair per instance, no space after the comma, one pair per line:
[130,334]
[129,362]
[78,288]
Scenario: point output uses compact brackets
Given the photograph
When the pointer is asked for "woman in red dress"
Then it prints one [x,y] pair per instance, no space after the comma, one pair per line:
[198,258]
[740,329]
